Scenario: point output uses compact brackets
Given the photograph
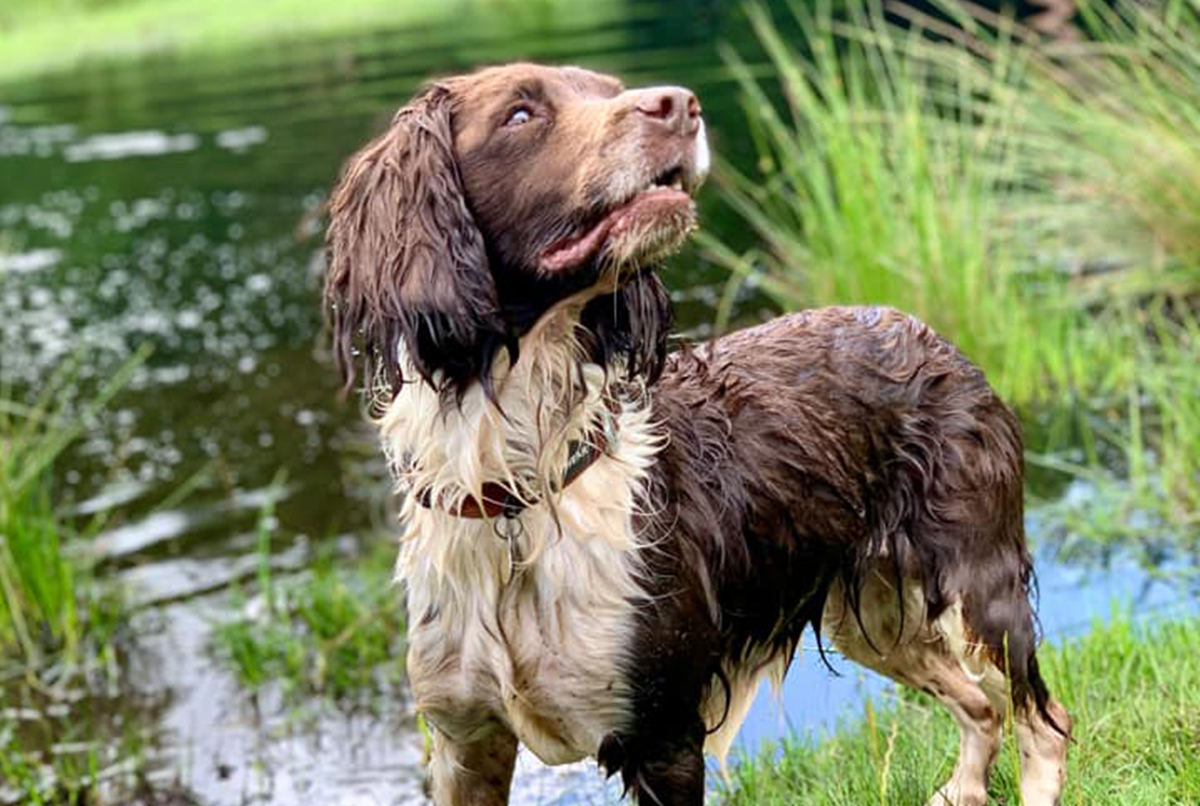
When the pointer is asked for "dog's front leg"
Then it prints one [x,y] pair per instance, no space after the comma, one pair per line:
[674,779]
[475,773]
[660,770]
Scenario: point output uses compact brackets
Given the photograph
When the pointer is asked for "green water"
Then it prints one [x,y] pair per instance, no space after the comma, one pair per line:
[176,203]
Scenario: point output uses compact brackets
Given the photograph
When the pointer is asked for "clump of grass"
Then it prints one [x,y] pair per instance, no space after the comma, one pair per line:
[27,776]
[1133,692]
[57,762]
[57,622]
[336,628]
[885,179]
[1114,123]
[70,760]
[49,605]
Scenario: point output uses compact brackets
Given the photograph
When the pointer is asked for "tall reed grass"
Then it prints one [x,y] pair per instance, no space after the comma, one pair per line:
[992,184]
[1113,132]
[1111,142]
[886,177]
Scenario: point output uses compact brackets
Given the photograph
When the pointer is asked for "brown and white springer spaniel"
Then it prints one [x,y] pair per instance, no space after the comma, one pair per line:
[605,546]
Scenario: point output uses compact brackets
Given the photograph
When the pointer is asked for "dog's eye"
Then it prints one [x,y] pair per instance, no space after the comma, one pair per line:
[522,114]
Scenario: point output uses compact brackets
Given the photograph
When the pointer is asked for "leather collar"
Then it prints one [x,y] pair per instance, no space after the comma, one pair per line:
[498,500]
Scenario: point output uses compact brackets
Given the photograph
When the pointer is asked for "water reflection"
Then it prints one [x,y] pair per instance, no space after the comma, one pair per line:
[124,145]
[233,750]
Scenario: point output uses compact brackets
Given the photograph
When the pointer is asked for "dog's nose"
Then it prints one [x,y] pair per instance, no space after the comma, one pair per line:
[674,108]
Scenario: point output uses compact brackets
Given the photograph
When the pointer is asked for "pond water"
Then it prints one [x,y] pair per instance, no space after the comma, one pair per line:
[177,204]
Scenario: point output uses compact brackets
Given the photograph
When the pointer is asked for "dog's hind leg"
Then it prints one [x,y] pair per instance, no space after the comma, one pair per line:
[1042,738]
[920,659]
[1007,672]
[979,725]
[989,629]
[1043,748]
[475,773]
[943,659]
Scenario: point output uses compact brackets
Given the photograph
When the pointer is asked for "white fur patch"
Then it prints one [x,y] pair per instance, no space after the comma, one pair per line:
[533,636]
[951,626]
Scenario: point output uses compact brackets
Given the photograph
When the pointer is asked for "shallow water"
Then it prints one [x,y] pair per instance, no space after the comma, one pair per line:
[176,204]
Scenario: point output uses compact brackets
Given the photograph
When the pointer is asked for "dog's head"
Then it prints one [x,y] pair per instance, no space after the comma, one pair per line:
[495,195]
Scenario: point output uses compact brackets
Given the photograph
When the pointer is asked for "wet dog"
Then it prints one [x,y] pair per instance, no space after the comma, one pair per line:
[605,546]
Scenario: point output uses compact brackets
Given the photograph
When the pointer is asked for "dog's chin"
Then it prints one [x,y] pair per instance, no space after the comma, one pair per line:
[648,228]
[646,239]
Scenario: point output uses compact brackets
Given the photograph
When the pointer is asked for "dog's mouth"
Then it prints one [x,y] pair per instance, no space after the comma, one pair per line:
[661,212]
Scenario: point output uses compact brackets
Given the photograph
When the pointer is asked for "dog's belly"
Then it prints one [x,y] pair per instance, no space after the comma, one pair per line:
[563,707]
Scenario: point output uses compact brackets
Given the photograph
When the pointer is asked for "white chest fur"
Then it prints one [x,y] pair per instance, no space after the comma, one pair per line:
[533,637]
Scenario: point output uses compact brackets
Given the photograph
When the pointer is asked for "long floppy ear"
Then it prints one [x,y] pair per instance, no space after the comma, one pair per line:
[407,263]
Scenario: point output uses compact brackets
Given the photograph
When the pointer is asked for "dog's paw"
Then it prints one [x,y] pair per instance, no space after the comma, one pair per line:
[959,793]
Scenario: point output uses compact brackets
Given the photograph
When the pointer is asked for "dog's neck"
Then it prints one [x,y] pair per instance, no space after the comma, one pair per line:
[549,397]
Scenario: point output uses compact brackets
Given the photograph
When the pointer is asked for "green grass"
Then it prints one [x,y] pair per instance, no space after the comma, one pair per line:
[58,624]
[36,36]
[1134,693]
[66,779]
[337,628]
[57,762]
[51,610]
